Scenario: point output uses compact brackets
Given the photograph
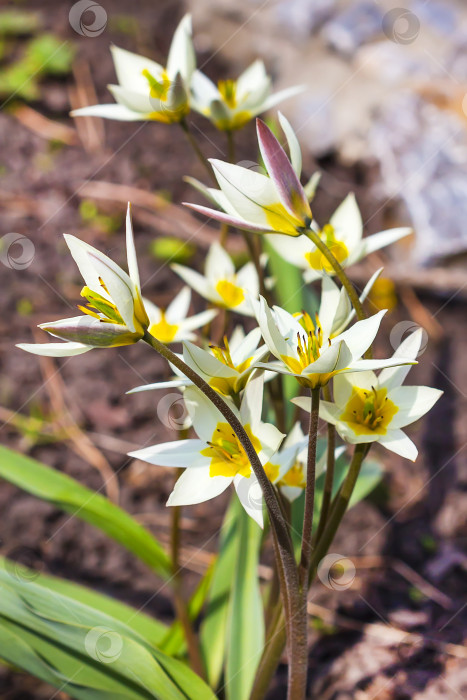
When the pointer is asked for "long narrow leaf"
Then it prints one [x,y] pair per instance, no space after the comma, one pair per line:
[84,651]
[246,619]
[152,630]
[213,631]
[69,495]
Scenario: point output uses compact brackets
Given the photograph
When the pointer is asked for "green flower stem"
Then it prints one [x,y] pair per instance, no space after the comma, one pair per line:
[339,506]
[291,593]
[339,270]
[330,464]
[199,153]
[310,488]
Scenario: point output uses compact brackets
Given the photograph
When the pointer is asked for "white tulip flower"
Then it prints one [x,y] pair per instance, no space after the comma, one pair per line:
[308,351]
[343,235]
[115,314]
[216,459]
[146,90]
[274,202]
[173,325]
[231,104]
[220,284]
[369,408]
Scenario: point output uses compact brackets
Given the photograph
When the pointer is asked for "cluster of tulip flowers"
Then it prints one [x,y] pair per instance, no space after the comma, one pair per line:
[239,387]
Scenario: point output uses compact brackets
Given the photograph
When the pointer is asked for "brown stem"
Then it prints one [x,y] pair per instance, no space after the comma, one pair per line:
[231,146]
[339,506]
[310,488]
[199,153]
[291,589]
[275,647]
[339,270]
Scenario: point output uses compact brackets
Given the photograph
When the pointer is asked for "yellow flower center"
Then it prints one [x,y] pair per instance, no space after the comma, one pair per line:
[228,92]
[231,294]
[316,259]
[98,306]
[272,471]
[228,458]
[309,345]
[280,220]
[294,477]
[162,330]
[235,383]
[158,89]
[369,411]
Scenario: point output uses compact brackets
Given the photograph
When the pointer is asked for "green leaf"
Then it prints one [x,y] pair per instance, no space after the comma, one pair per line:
[245,640]
[84,651]
[152,630]
[173,642]
[213,631]
[69,495]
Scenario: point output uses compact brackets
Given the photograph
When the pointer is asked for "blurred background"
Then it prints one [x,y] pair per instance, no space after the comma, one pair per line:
[384,115]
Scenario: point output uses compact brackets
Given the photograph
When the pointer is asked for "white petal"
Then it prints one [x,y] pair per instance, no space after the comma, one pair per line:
[196,321]
[312,185]
[203,413]
[384,238]
[247,190]
[204,363]
[204,91]
[130,66]
[250,496]
[270,332]
[181,58]
[409,348]
[236,221]
[363,365]
[336,357]
[171,384]
[195,280]
[119,285]
[110,111]
[177,310]
[219,265]
[347,222]
[398,442]
[252,402]
[131,251]
[252,79]
[55,349]
[291,492]
[413,402]
[243,346]
[196,486]
[247,279]
[292,141]
[328,411]
[361,335]
[280,96]
[292,251]
[179,453]
[334,308]
[135,101]
[80,253]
